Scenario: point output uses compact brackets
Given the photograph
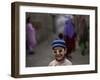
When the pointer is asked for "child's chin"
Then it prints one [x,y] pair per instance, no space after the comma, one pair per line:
[59,59]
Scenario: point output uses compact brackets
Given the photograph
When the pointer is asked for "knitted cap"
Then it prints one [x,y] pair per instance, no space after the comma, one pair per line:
[58,43]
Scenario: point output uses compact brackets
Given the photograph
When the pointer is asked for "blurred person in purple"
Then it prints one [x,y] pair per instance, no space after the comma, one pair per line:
[30,36]
[69,36]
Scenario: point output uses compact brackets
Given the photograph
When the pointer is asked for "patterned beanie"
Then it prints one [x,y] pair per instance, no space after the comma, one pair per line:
[58,43]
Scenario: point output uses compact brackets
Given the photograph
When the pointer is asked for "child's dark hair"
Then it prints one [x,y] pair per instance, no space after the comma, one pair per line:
[60,35]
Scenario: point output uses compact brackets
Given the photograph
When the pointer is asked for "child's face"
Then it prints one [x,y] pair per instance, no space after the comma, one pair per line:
[59,53]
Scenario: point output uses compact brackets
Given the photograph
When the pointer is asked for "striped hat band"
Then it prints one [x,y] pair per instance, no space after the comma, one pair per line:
[58,43]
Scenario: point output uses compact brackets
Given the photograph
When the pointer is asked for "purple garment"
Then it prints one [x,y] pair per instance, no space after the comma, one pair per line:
[69,28]
[30,36]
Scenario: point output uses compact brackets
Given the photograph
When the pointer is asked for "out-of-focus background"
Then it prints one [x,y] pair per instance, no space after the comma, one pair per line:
[47,28]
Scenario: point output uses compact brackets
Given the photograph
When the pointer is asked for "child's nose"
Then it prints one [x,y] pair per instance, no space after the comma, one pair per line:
[57,52]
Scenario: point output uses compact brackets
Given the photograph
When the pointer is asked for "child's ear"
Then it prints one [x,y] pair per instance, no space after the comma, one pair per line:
[65,50]
[52,51]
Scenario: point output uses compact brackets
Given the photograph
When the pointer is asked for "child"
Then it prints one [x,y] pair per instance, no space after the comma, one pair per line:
[59,51]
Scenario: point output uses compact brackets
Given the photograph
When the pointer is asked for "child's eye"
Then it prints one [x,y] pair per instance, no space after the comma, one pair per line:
[60,51]
[55,51]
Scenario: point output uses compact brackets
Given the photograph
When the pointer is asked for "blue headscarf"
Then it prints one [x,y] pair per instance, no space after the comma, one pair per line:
[69,28]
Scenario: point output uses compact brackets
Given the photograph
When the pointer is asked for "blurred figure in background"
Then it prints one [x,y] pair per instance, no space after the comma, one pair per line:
[30,36]
[83,34]
[69,36]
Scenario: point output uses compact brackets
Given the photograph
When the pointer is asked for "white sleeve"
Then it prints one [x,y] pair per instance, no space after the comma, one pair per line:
[68,62]
[52,63]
